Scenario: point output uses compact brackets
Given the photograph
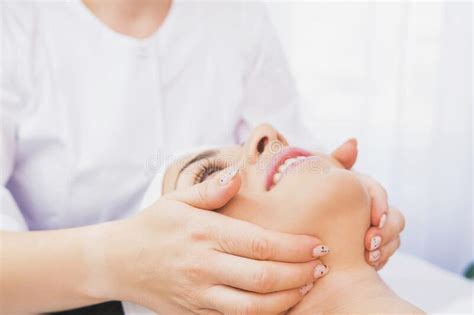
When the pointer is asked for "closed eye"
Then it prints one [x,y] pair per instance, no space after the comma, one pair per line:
[206,170]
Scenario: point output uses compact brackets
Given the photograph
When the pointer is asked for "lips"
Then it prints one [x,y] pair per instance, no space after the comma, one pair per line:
[282,162]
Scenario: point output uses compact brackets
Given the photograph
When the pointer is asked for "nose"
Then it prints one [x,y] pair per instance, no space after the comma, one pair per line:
[262,137]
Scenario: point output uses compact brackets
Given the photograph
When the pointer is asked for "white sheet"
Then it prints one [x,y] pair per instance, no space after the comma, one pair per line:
[429,287]
[434,290]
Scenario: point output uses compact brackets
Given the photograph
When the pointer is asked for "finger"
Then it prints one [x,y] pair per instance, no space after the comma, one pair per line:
[395,220]
[387,250]
[211,194]
[233,301]
[264,276]
[207,311]
[373,238]
[248,240]
[380,266]
[379,200]
[376,237]
[346,154]
[380,256]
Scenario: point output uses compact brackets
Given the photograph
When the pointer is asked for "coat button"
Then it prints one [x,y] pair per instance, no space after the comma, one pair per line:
[143,52]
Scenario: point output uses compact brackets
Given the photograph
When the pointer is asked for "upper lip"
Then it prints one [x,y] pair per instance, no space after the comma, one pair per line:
[280,158]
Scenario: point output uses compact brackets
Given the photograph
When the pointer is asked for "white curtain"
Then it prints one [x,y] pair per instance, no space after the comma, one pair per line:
[398,76]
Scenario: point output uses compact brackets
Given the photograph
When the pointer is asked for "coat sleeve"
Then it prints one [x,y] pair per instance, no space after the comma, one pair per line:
[15,82]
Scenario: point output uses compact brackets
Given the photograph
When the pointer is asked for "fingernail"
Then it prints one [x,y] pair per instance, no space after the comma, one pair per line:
[320,271]
[375,242]
[305,289]
[374,256]
[383,219]
[228,175]
[320,250]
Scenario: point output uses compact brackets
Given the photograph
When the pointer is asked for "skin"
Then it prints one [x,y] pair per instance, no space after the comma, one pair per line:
[142,18]
[133,259]
[344,157]
[321,194]
[150,259]
[135,18]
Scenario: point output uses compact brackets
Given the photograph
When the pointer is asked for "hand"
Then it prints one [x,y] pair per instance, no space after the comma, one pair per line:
[383,237]
[176,258]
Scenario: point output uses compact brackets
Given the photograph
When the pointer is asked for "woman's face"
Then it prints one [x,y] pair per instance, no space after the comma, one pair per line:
[282,186]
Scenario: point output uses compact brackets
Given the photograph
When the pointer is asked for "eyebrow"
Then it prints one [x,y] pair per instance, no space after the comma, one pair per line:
[197,158]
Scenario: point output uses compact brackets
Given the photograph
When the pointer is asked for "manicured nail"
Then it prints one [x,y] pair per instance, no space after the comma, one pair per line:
[320,250]
[305,289]
[228,175]
[375,242]
[383,219]
[320,271]
[374,256]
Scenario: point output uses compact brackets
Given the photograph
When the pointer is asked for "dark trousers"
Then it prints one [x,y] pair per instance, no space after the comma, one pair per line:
[108,308]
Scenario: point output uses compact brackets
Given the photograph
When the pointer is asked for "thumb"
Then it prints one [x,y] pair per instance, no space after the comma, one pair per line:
[346,154]
[211,194]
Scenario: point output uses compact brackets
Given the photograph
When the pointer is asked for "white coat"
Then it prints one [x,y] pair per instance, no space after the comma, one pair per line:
[87,114]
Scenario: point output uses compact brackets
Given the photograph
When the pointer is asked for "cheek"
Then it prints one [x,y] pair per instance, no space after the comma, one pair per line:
[243,207]
[265,210]
[254,208]
[312,199]
[288,207]
[301,203]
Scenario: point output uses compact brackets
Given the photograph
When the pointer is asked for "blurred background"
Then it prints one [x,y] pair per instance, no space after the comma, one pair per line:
[398,76]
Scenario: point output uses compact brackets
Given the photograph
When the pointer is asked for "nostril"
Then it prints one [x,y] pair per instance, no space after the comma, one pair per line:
[261,144]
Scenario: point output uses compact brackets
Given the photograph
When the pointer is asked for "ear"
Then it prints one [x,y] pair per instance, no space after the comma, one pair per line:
[346,154]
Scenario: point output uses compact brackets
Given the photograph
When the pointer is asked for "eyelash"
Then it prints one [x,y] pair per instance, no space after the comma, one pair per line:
[206,170]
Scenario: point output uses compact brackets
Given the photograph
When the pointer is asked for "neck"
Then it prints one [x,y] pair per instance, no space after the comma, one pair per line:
[137,18]
[345,289]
